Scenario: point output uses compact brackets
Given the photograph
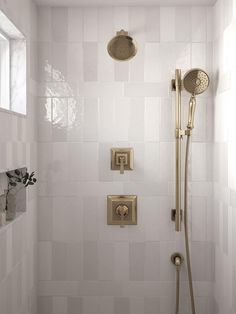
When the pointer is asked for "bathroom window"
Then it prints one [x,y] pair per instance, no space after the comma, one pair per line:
[12,67]
[4,71]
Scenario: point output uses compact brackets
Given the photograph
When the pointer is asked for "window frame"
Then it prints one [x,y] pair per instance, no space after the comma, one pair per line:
[7,72]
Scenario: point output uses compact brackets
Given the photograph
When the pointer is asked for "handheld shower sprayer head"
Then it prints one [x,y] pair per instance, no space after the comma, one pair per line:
[195,81]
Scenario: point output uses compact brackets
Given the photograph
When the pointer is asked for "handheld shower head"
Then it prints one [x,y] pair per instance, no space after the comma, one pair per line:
[122,47]
[195,81]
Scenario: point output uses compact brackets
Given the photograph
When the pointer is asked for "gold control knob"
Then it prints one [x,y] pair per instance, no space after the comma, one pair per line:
[122,210]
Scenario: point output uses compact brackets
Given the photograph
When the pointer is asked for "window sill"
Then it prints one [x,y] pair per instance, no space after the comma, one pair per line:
[8,111]
[19,215]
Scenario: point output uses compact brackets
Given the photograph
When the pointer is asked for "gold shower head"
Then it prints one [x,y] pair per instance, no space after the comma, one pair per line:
[196,81]
[122,47]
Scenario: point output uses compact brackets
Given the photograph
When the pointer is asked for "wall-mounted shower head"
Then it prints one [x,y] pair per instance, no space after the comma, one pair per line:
[195,81]
[122,47]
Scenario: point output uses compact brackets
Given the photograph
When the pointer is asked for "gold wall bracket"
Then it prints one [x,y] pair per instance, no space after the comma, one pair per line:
[122,210]
[122,159]
[173,85]
[173,214]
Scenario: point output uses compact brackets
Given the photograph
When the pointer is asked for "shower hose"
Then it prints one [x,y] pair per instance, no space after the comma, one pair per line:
[186,233]
[186,237]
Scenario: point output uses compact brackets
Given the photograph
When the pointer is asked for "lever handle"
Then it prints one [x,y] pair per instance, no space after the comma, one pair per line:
[122,211]
[122,165]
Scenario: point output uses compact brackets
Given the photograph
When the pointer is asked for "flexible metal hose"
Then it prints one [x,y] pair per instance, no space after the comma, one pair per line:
[188,259]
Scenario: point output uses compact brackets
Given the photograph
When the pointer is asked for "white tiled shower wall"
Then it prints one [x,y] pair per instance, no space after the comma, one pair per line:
[89,103]
[18,241]
[225,155]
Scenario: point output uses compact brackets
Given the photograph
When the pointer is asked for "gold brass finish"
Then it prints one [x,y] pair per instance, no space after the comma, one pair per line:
[178,131]
[196,81]
[173,214]
[122,159]
[122,47]
[177,259]
[122,210]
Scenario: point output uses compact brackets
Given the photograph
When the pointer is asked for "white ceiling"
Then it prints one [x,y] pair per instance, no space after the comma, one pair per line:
[122,2]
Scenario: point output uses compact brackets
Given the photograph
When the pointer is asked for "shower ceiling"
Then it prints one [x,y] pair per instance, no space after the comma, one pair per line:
[123,2]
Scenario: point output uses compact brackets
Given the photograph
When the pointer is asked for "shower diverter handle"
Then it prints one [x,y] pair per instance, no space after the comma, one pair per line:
[192,107]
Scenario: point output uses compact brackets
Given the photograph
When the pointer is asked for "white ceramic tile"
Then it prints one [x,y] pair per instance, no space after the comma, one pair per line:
[75,305]
[145,90]
[59,62]
[60,161]
[90,53]
[45,218]
[105,173]
[105,24]
[137,23]
[59,24]
[121,71]
[90,258]
[121,270]
[59,254]
[90,23]
[139,159]
[59,119]
[151,305]
[74,262]
[121,305]
[151,164]
[199,23]
[59,305]
[90,305]
[152,261]
[199,55]
[106,305]
[105,64]
[106,119]
[3,259]
[106,261]
[91,158]
[121,18]
[167,24]
[136,118]
[75,64]
[45,261]
[166,161]
[152,24]
[90,119]
[121,117]
[199,162]
[76,161]
[136,70]
[66,219]
[92,262]
[152,63]
[199,219]
[45,18]
[90,219]
[182,24]
[106,89]
[75,24]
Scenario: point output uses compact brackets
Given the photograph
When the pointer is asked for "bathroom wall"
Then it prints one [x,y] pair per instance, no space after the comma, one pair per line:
[18,245]
[89,103]
[225,155]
